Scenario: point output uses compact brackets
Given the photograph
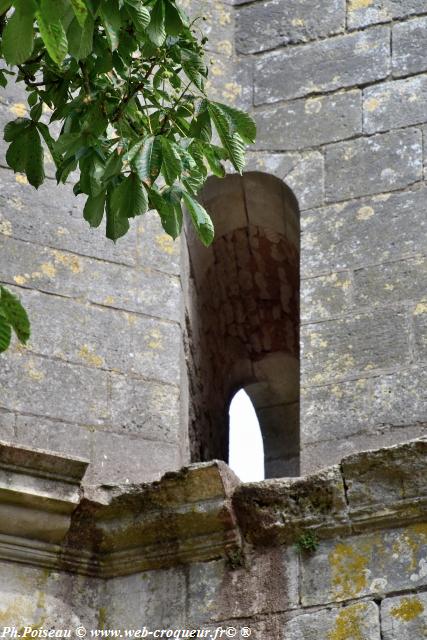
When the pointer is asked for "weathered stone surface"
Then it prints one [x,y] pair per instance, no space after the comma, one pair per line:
[379,477]
[266,25]
[36,385]
[356,234]
[364,406]
[343,61]
[409,46]
[368,564]
[303,173]
[420,331]
[63,228]
[391,282]
[267,581]
[404,617]
[120,458]
[102,338]
[361,13]
[7,425]
[365,166]
[340,348]
[394,104]
[326,296]
[154,248]
[146,408]
[309,122]
[154,599]
[144,291]
[357,620]
[329,452]
[52,435]
[276,511]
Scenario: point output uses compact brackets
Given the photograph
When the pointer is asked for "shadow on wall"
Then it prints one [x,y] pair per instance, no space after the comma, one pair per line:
[242,318]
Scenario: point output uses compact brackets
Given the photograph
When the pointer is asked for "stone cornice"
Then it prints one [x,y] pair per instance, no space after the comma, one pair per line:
[199,513]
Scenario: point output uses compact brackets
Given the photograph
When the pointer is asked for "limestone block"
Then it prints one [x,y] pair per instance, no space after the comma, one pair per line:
[268,583]
[419,315]
[369,564]
[390,283]
[326,296]
[63,227]
[362,13]
[339,62]
[266,25]
[309,122]
[377,164]
[336,349]
[358,620]
[146,408]
[364,406]
[153,599]
[355,234]
[404,617]
[53,389]
[276,511]
[391,105]
[384,477]
[154,248]
[123,458]
[144,291]
[53,435]
[409,46]
[7,426]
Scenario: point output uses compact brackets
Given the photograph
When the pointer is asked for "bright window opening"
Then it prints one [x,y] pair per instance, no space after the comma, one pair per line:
[246,450]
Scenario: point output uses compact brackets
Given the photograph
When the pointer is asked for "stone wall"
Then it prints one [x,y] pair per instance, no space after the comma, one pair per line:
[100,377]
[338,92]
[198,550]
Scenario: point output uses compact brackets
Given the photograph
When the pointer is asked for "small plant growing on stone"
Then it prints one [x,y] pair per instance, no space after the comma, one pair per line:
[235,558]
[307,542]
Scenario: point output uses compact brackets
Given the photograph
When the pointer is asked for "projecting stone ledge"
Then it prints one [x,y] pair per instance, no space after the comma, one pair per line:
[197,514]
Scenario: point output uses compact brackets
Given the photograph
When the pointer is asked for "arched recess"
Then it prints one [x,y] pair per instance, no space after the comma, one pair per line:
[242,318]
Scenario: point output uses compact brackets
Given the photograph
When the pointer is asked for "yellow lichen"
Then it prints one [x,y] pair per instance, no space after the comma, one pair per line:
[420,308]
[364,213]
[18,109]
[165,243]
[21,179]
[5,227]
[21,280]
[371,104]
[69,261]
[33,372]
[297,22]
[90,357]
[408,609]
[355,5]
[48,269]
[348,570]
[347,624]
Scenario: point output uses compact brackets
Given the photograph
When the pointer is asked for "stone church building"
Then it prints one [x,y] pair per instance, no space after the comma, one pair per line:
[117,508]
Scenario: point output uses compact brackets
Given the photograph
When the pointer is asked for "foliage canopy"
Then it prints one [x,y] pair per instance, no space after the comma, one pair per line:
[125,80]
[124,84]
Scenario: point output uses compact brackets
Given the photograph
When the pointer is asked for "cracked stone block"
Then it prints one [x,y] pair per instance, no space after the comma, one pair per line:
[404,617]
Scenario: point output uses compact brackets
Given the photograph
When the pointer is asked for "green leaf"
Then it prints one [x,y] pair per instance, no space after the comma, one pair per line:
[5,333]
[148,160]
[25,154]
[80,39]
[171,162]
[80,11]
[18,38]
[242,122]
[111,19]
[200,219]
[54,37]
[15,128]
[173,19]
[93,211]
[5,6]
[117,224]
[15,314]
[139,14]
[130,199]
[194,68]
[168,206]
[231,141]
[156,30]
